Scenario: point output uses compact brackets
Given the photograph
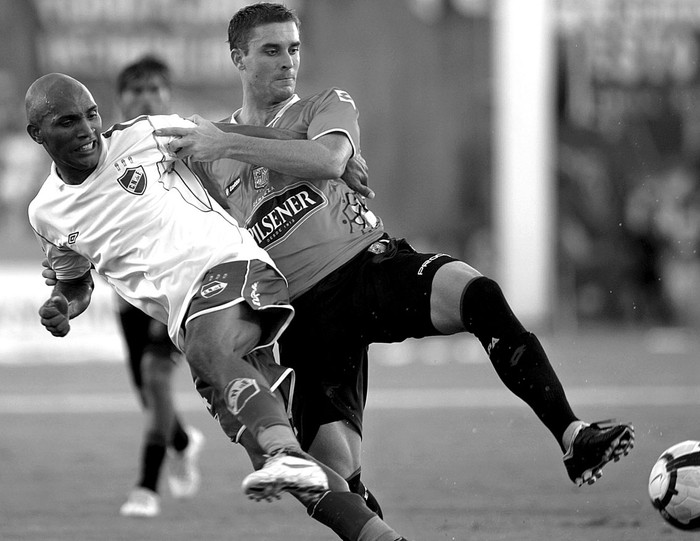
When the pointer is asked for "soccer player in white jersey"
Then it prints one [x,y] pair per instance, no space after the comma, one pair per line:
[351,283]
[120,203]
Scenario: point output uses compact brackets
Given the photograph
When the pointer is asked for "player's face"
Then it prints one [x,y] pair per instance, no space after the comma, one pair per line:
[148,95]
[70,133]
[270,67]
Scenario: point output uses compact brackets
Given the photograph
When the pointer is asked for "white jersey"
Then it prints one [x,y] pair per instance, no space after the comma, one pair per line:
[143,220]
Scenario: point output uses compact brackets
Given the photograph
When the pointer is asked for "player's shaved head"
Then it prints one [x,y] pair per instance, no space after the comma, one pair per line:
[62,116]
[45,91]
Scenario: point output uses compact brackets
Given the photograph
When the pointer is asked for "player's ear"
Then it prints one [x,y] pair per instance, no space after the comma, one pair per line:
[35,133]
[237,58]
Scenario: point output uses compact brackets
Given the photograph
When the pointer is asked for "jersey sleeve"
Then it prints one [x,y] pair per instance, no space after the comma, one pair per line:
[67,264]
[336,112]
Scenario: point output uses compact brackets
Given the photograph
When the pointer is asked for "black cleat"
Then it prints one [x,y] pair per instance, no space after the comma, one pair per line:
[593,446]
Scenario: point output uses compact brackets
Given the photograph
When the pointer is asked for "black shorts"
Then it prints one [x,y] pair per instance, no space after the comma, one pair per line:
[382,295]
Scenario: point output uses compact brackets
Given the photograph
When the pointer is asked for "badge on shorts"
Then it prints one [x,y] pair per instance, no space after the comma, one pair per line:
[377,247]
[212,289]
[261,176]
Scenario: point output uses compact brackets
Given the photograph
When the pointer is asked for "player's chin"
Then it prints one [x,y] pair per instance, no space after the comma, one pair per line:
[285,89]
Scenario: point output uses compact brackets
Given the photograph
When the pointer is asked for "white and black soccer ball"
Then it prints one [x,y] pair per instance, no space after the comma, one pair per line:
[674,485]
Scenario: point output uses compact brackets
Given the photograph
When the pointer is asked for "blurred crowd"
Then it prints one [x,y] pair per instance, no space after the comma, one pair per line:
[628,223]
[629,232]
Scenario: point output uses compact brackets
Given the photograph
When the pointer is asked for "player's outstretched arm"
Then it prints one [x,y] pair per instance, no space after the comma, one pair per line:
[69,299]
[356,171]
[288,153]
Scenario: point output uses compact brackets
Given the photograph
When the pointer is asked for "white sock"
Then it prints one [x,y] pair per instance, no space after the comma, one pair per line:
[568,435]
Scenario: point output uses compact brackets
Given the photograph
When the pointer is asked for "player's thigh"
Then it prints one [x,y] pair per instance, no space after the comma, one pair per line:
[339,446]
[448,286]
[219,335]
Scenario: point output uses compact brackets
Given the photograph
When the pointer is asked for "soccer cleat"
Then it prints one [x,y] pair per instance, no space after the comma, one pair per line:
[141,503]
[593,446]
[285,471]
[183,471]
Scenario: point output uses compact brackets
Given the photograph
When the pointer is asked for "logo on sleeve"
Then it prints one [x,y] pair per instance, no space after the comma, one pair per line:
[133,180]
[344,96]
[73,237]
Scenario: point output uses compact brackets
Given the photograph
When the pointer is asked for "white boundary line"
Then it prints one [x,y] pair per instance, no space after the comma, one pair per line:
[379,399]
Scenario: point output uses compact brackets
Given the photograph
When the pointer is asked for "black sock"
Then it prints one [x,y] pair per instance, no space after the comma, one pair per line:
[517,355]
[524,368]
[179,438]
[152,461]
[357,486]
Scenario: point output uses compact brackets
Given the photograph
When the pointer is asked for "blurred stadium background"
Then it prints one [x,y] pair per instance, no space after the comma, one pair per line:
[553,144]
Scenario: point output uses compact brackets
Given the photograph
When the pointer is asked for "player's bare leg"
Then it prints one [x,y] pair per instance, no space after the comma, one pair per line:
[345,512]
[339,446]
[216,344]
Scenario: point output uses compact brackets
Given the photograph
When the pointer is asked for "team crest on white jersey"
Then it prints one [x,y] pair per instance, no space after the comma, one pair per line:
[73,237]
[133,180]
[212,289]
[261,176]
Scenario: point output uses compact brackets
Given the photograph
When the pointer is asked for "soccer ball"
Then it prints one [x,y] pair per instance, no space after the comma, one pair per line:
[674,485]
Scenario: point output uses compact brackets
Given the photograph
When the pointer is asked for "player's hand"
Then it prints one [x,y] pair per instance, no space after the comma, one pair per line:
[48,274]
[54,315]
[202,143]
[356,176]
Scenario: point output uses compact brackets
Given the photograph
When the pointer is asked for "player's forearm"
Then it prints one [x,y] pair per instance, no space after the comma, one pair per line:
[77,292]
[297,158]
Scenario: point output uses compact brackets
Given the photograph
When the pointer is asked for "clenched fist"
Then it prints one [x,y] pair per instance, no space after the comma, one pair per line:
[54,315]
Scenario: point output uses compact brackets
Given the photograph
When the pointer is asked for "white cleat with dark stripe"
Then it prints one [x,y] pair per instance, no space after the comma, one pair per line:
[285,471]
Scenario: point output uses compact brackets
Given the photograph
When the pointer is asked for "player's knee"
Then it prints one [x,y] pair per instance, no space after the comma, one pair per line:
[485,311]
[445,297]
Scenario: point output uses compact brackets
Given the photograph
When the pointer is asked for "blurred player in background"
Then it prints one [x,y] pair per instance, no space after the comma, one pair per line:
[144,88]
[122,204]
[352,284]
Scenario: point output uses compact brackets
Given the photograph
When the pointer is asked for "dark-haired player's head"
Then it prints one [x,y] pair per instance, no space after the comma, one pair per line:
[250,17]
[143,88]
[265,48]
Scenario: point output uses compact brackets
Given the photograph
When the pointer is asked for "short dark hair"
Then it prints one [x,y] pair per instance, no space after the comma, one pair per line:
[250,17]
[146,66]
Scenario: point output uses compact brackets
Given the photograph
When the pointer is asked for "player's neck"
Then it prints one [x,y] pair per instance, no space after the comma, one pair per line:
[258,114]
[73,176]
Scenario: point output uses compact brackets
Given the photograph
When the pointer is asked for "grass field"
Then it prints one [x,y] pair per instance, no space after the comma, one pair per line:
[449,453]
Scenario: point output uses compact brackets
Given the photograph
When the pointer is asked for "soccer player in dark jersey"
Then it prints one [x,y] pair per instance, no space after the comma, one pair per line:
[144,88]
[351,283]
